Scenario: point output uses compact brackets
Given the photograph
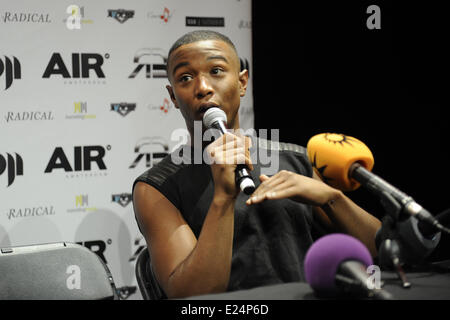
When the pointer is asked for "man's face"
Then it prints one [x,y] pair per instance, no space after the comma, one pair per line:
[206,74]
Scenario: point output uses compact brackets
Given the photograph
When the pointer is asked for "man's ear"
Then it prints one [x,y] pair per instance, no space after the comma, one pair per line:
[172,96]
[243,82]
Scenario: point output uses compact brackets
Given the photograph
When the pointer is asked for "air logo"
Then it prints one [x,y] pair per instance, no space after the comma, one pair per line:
[83,157]
[14,166]
[82,64]
[96,246]
[11,69]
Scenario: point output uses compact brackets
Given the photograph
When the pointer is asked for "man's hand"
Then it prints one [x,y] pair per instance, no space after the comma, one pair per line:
[340,213]
[286,184]
[224,155]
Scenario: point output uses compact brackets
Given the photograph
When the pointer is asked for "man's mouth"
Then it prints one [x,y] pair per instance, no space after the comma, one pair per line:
[205,107]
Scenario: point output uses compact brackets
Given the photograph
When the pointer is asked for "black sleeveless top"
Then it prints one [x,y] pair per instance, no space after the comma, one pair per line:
[270,238]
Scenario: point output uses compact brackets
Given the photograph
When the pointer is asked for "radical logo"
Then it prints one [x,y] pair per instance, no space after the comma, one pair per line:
[10,69]
[14,166]
[121,15]
[29,116]
[30,212]
[25,17]
[155,67]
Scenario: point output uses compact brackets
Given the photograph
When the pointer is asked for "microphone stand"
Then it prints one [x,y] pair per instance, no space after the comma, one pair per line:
[390,252]
[400,240]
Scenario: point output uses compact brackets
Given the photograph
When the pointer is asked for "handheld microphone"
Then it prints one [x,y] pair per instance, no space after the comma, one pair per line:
[338,263]
[216,118]
[345,162]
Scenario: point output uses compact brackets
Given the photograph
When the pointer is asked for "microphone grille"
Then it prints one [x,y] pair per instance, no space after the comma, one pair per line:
[326,254]
[212,115]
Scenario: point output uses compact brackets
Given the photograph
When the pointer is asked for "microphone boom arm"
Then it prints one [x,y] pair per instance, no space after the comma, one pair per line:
[380,187]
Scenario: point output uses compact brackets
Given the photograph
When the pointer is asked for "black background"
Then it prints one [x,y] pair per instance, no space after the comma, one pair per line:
[318,68]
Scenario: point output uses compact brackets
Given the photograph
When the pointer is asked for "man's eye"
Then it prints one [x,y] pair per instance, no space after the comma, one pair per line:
[184,78]
[216,70]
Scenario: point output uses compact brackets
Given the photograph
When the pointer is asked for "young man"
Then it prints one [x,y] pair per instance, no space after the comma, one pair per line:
[203,234]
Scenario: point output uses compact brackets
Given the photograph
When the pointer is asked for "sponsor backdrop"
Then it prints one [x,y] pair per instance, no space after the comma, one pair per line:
[84,111]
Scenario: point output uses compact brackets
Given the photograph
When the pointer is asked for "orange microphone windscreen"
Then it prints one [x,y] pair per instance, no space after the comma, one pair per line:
[332,154]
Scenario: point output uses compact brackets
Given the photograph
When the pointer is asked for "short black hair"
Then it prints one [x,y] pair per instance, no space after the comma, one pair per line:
[199,35]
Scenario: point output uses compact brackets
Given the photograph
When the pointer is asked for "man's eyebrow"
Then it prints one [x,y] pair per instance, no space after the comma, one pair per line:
[217,57]
[179,65]
[186,63]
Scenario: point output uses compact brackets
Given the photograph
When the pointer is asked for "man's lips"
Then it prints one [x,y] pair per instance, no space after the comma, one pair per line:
[202,109]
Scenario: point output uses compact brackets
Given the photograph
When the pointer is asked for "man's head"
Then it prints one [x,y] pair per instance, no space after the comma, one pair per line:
[203,68]
[199,35]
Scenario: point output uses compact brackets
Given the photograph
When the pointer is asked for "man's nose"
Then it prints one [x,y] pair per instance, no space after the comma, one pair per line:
[203,87]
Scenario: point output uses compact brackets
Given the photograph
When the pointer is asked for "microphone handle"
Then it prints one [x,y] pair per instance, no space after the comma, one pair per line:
[375,184]
[351,278]
[220,125]
[243,178]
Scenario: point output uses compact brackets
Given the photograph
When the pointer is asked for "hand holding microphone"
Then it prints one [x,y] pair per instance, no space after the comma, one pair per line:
[226,151]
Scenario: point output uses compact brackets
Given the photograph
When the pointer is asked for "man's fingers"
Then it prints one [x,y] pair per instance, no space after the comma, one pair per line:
[271,188]
[230,150]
